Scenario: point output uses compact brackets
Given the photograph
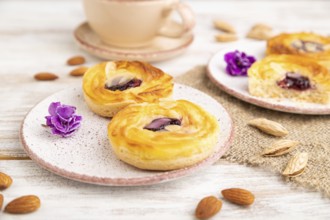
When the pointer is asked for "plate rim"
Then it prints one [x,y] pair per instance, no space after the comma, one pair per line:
[255,100]
[151,56]
[135,181]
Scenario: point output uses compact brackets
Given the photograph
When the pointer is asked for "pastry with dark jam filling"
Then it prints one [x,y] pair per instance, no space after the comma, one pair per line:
[110,86]
[166,135]
[303,44]
[290,77]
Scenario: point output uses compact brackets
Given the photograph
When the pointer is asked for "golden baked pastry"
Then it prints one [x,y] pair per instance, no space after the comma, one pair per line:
[111,86]
[290,76]
[163,136]
[303,44]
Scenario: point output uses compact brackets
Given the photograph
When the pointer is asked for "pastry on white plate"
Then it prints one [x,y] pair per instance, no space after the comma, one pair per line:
[110,86]
[291,77]
[164,135]
[303,44]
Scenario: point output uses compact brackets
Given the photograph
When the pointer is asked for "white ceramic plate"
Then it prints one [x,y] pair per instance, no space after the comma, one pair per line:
[238,86]
[161,48]
[87,155]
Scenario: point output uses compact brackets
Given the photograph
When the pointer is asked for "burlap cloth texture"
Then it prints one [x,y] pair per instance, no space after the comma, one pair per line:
[313,132]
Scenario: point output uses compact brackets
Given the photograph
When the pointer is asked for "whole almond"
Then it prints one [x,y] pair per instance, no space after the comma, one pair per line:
[280,147]
[224,26]
[238,196]
[296,165]
[225,37]
[261,26]
[269,127]
[260,32]
[80,71]
[5,181]
[259,35]
[45,76]
[1,201]
[24,204]
[76,60]
[208,207]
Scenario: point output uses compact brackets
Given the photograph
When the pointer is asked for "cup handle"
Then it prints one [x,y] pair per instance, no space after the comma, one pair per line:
[172,28]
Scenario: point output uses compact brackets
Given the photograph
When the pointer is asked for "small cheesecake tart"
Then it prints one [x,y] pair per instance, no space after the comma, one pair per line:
[303,44]
[291,77]
[166,135]
[110,86]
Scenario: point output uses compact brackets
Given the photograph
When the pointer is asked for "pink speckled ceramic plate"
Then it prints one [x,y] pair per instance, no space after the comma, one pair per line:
[162,48]
[238,86]
[87,156]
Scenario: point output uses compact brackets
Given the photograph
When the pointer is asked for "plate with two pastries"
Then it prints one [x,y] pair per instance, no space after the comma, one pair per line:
[128,125]
[289,73]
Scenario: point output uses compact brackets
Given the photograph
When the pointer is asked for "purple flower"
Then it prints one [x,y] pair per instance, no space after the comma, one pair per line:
[238,63]
[62,119]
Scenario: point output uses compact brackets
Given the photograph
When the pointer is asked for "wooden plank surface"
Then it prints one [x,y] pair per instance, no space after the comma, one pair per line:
[37,36]
[173,200]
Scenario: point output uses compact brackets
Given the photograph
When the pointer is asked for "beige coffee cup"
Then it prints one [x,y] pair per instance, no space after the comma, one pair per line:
[135,23]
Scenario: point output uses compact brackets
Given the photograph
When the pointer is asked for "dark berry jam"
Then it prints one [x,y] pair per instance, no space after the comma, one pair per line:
[160,123]
[294,81]
[130,84]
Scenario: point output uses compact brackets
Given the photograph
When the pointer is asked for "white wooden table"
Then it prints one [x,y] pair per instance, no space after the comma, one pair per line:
[37,36]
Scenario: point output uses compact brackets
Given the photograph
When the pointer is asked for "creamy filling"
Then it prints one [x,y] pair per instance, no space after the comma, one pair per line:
[119,79]
[308,46]
[130,84]
[161,123]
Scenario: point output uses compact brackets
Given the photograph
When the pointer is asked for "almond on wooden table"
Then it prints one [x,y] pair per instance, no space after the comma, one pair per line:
[224,26]
[80,71]
[238,196]
[208,207]
[260,32]
[269,127]
[24,204]
[5,181]
[296,165]
[226,37]
[259,35]
[279,148]
[45,76]
[76,60]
